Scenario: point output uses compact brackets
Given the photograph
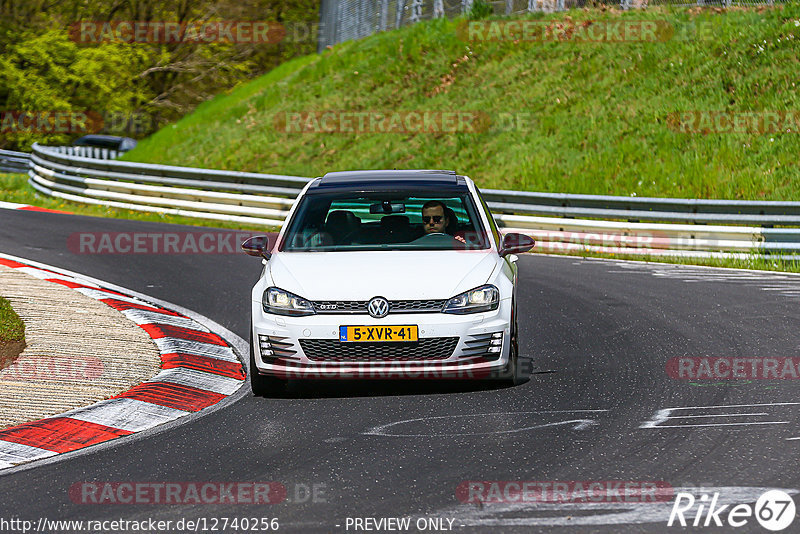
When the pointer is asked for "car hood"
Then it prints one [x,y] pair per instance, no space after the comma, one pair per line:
[394,275]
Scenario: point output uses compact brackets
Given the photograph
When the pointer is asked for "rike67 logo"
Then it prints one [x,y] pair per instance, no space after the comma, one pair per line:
[774,510]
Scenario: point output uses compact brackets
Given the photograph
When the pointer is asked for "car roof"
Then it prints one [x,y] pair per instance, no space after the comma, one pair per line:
[106,141]
[389,178]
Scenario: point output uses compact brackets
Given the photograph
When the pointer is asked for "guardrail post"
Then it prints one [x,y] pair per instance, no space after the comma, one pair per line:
[384,14]
[438,9]
[416,10]
[400,7]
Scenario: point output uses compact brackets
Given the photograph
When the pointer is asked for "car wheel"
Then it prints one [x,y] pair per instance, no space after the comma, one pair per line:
[260,384]
[513,374]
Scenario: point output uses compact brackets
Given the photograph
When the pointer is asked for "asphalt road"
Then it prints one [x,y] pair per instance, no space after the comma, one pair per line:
[599,333]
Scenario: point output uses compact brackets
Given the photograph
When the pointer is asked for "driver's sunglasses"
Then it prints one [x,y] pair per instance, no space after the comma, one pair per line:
[436,218]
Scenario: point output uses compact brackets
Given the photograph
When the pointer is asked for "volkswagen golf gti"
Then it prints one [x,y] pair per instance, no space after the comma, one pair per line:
[386,274]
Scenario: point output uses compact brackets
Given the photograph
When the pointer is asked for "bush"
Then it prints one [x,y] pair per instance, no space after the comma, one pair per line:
[480,10]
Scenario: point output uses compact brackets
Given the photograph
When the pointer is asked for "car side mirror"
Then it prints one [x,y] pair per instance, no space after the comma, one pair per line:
[257,246]
[516,244]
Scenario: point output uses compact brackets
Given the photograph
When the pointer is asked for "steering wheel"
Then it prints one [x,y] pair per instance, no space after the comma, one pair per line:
[436,236]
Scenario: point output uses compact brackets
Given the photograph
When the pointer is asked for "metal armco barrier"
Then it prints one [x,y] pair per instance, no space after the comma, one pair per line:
[684,227]
[11,161]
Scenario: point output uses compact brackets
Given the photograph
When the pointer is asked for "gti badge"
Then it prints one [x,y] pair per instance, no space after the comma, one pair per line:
[378,307]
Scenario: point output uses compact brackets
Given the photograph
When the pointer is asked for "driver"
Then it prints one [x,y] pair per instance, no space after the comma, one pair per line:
[435,219]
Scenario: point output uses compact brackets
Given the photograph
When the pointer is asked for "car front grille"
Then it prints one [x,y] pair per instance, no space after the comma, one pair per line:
[395,306]
[333,350]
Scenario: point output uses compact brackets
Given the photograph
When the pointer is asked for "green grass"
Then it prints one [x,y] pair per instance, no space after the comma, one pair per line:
[15,188]
[599,112]
[11,326]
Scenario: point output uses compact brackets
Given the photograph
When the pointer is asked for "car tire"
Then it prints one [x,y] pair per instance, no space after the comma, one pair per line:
[264,385]
[513,374]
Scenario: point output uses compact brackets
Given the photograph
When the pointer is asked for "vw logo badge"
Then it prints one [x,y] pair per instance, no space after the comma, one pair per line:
[378,307]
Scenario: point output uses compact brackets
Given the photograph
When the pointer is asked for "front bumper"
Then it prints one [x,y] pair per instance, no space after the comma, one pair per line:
[466,360]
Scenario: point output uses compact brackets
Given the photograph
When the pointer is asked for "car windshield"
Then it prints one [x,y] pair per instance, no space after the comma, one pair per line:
[385,221]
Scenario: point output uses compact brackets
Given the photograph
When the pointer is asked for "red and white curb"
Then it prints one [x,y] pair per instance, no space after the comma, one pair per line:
[198,370]
[28,207]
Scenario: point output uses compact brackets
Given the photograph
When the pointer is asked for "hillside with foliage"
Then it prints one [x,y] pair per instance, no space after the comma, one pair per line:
[134,87]
[598,117]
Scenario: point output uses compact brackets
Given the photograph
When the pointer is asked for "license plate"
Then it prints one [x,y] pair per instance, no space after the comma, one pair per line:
[378,334]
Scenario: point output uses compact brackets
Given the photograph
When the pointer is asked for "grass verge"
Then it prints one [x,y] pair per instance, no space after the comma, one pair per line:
[596,117]
[12,334]
[11,326]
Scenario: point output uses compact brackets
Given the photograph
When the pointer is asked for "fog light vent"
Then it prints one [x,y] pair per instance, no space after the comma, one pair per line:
[272,347]
[488,345]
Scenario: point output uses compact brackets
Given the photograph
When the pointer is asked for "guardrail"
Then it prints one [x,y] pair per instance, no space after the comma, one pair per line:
[554,220]
[11,161]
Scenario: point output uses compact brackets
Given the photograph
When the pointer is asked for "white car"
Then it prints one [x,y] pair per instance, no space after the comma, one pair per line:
[386,274]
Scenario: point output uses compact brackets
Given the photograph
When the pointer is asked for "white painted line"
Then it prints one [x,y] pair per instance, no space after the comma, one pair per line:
[44,275]
[580,424]
[14,453]
[791,439]
[665,414]
[714,415]
[595,514]
[103,295]
[785,288]
[168,345]
[723,424]
[12,205]
[126,414]
[148,317]
[223,385]
[651,265]
[736,405]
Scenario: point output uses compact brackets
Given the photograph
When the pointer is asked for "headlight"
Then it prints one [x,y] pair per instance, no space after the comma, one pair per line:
[480,299]
[282,302]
